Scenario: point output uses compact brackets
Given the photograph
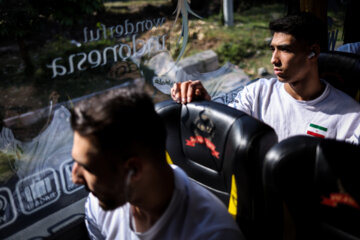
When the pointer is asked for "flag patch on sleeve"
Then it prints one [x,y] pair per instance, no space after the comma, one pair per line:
[316,130]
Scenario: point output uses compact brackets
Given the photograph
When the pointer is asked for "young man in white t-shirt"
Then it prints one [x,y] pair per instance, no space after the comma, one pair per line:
[297,102]
[119,155]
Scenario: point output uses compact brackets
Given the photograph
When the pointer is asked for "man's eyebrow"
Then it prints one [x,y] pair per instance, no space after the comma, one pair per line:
[283,46]
[81,164]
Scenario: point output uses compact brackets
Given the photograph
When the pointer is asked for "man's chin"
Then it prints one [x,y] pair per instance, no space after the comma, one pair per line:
[281,79]
[108,206]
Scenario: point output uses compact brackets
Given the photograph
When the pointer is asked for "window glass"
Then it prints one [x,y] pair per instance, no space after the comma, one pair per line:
[54,54]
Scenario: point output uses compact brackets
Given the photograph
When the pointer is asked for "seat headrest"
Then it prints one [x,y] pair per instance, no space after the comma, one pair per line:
[342,70]
[326,162]
[337,171]
[337,184]
[204,129]
[319,181]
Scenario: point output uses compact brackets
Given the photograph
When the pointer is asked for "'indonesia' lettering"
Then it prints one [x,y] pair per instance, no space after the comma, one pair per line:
[95,58]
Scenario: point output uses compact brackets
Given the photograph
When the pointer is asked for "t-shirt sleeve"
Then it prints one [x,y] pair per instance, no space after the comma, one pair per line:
[243,101]
[355,138]
[91,221]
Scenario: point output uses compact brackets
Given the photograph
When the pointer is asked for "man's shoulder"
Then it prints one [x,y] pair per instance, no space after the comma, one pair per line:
[199,197]
[262,85]
[194,189]
[205,212]
[340,98]
[263,82]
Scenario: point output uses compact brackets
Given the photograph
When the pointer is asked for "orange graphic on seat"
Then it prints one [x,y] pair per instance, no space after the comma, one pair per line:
[201,140]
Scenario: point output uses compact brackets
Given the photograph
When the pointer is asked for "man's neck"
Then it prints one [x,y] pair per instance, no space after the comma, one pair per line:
[147,212]
[305,90]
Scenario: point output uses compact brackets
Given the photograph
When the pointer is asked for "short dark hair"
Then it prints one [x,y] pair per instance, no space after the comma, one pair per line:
[302,26]
[121,121]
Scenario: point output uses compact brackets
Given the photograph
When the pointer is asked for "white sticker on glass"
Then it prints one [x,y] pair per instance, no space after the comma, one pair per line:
[38,191]
[8,213]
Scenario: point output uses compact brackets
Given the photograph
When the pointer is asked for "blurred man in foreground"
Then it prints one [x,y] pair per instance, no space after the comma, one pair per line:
[297,102]
[119,154]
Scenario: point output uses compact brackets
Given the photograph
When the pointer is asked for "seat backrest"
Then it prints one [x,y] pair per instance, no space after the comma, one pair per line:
[212,142]
[318,182]
[342,70]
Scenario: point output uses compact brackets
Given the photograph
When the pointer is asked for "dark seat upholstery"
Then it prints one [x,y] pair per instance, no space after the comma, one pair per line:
[318,182]
[211,142]
[342,70]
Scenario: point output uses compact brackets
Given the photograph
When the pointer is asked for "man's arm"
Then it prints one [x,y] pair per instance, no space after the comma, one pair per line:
[185,92]
[189,91]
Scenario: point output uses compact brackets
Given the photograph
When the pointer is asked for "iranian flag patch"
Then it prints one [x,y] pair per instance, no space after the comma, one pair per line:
[316,130]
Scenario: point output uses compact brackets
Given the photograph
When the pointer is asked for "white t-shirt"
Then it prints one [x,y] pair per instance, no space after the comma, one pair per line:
[332,115]
[193,213]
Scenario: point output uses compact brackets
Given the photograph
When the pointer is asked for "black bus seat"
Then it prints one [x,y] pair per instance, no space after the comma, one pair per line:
[342,70]
[212,143]
[315,184]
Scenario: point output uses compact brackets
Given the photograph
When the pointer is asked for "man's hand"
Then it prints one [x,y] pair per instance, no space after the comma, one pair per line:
[189,91]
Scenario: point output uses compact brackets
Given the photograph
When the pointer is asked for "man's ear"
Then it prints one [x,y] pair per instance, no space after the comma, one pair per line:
[314,51]
[133,165]
[311,55]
